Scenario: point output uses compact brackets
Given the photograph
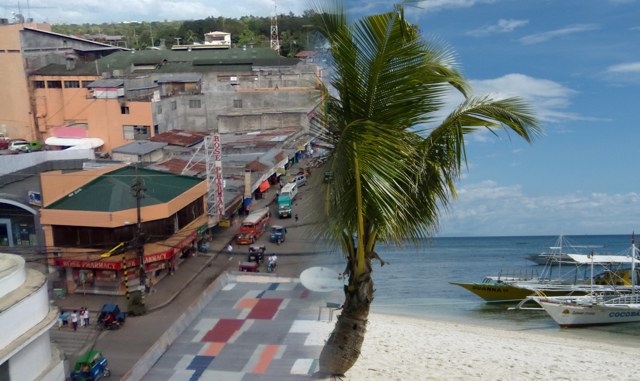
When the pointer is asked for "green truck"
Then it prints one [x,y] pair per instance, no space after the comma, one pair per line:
[286,197]
[284,206]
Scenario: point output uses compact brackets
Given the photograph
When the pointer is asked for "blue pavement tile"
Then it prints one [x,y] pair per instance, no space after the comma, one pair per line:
[199,364]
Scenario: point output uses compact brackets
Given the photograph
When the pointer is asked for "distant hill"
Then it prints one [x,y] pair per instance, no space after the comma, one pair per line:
[296,33]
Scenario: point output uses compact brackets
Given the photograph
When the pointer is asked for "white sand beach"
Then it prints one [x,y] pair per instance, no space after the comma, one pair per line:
[403,348]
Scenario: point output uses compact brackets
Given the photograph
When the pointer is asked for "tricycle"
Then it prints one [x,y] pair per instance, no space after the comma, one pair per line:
[250,267]
[278,234]
[256,254]
[91,366]
[110,317]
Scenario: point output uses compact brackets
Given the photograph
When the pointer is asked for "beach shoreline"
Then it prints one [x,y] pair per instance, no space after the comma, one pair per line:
[399,347]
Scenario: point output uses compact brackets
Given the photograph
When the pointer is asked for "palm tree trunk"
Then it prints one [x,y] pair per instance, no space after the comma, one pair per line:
[342,349]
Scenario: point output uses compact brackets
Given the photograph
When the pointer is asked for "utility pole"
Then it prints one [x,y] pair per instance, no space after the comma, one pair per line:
[138,191]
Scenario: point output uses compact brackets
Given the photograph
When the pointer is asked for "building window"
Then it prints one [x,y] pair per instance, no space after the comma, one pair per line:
[136,132]
[237,103]
[174,105]
[54,84]
[71,84]
[124,109]
[38,84]
[85,84]
[194,103]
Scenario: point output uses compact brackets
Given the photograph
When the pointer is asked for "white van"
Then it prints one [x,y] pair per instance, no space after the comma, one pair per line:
[290,190]
[299,180]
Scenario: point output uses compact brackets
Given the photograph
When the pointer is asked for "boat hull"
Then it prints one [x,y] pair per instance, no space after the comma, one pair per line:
[505,292]
[589,314]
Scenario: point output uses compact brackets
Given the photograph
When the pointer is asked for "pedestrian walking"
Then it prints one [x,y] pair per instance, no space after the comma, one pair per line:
[81,316]
[74,320]
[229,249]
[85,317]
[296,218]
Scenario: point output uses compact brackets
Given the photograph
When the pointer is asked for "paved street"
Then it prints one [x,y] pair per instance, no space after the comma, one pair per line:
[179,299]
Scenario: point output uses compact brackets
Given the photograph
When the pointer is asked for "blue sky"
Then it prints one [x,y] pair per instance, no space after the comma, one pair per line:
[576,61]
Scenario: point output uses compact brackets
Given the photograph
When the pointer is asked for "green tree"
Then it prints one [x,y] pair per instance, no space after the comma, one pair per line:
[395,161]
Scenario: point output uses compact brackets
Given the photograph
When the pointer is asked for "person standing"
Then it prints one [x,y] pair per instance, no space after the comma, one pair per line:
[85,317]
[296,218]
[74,320]
[229,249]
[81,316]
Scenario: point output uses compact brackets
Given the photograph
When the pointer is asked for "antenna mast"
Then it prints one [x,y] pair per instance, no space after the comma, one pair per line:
[275,41]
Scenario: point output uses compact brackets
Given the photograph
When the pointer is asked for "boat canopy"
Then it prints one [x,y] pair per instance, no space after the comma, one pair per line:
[600,259]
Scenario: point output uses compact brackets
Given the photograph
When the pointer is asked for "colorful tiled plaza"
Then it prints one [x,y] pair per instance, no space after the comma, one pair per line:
[254,328]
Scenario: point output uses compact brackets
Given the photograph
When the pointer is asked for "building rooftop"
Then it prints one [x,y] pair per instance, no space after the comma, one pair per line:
[139,147]
[174,61]
[111,192]
[180,137]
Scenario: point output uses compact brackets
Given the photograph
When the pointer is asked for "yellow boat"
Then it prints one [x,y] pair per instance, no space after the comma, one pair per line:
[517,288]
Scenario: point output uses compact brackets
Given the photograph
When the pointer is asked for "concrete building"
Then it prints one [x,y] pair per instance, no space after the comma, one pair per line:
[26,352]
[90,223]
[25,47]
[138,94]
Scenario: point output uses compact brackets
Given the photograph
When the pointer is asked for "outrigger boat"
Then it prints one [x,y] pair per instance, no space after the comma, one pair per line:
[596,308]
[611,278]
[560,252]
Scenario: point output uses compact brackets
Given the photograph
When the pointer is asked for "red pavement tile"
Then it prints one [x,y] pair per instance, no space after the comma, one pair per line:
[265,309]
[223,330]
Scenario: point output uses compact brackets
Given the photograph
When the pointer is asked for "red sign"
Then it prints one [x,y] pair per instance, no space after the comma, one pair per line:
[101,264]
[217,157]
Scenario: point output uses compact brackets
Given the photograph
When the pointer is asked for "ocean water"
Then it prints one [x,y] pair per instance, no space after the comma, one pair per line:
[415,282]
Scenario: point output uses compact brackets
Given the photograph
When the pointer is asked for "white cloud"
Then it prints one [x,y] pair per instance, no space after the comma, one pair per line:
[436,5]
[503,26]
[631,67]
[490,209]
[549,35]
[549,98]
[98,11]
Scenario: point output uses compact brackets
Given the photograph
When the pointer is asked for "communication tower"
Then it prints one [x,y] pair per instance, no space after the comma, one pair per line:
[275,41]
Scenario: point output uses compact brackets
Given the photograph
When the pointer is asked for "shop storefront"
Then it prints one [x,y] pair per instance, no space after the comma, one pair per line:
[113,275]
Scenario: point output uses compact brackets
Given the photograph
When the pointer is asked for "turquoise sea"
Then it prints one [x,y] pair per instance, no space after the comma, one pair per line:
[415,282]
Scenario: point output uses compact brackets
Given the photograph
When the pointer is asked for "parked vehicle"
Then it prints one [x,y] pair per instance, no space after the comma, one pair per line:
[253,226]
[91,366]
[278,234]
[25,146]
[111,317]
[299,180]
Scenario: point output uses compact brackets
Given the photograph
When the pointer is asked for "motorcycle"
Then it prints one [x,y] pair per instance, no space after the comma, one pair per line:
[271,266]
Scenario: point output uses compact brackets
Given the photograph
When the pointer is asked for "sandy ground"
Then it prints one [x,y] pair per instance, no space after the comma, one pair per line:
[403,348]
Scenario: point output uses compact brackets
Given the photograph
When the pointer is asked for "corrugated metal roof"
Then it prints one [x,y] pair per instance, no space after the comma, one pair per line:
[180,77]
[176,166]
[142,147]
[106,83]
[176,61]
[180,137]
[111,192]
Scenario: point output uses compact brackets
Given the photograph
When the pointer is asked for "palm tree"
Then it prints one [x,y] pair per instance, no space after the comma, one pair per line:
[395,164]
